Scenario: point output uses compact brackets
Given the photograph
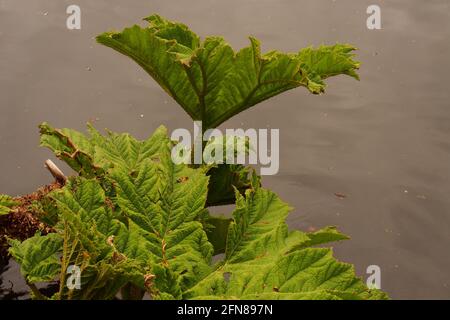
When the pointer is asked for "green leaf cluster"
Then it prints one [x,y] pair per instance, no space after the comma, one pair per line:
[142,223]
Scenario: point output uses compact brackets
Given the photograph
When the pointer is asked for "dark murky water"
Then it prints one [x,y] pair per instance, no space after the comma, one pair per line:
[384,141]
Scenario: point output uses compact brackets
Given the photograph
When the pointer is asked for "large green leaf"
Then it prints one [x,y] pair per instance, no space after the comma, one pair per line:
[265,261]
[6,204]
[88,235]
[310,273]
[108,253]
[166,202]
[94,153]
[211,81]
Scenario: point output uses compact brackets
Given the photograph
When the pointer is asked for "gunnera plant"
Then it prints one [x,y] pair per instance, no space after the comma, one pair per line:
[133,222]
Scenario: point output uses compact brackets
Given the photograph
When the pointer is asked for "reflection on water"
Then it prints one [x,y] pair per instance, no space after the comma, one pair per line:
[13,286]
[10,286]
[383,142]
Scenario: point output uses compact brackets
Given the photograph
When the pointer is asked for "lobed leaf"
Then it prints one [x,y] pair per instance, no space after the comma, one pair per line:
[259,226]
[165,201]
[38,256]
[310,273]
[108,253]
[210,80]
[264,261]
[92,154]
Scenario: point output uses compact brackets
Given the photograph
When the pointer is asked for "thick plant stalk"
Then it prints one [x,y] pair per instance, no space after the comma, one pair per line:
[37,294]
[56,172]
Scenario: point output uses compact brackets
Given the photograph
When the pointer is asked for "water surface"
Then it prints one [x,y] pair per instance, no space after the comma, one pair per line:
[383,142]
